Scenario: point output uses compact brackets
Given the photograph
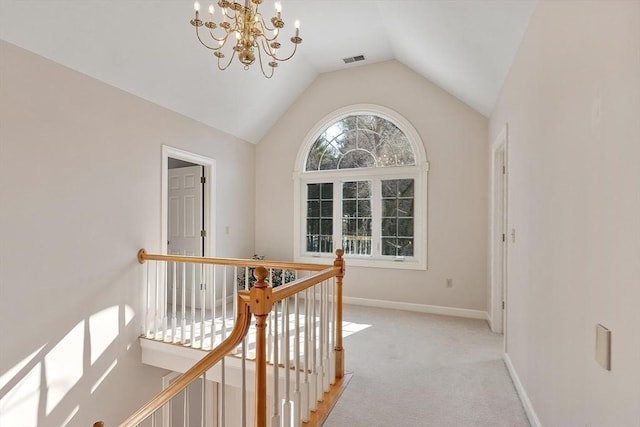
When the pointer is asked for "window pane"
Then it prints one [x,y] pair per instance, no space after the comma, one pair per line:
[405,247]
[349,208]
[405,187]
[364,189]
[327,191]
[397,247]
[364,207]
[320,217]
[313,226]
[326,227]
[389,227]
[389,208]
[359,141]
[389,189]
[327,208]
[349,190]
[356,217]
[397,217]
[405,207]
[313,191]
[313,209]
[405,227]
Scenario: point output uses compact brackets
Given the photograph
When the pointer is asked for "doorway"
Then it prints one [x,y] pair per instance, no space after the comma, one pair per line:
[499,219]
[188,203]
[186,232]
[188,221]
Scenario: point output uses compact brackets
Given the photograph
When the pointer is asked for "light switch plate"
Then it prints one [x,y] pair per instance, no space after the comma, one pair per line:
[603,347]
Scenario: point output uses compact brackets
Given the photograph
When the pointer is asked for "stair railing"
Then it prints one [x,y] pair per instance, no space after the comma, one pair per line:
[308,349]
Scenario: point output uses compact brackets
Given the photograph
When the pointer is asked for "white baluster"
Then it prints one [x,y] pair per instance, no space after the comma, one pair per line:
[332,334]
[183,314]
[321,347]
[305,397]
[203,304]
[223,394]
[147,318]
[275,416]
[193,305]
[287,409]
[212,280]
[164,283]
[297,416]
[325,338]
[156,317]
[313,378]
[174,297]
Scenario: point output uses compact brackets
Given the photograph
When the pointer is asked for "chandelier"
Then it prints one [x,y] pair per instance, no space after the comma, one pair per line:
[247,33]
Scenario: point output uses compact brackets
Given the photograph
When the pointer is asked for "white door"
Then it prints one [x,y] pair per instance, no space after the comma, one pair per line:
[185,211]
[185,232]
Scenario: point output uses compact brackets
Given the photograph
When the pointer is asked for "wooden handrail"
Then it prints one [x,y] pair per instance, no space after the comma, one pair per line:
[257,302]
[239,331]
[144,256]
[290,289]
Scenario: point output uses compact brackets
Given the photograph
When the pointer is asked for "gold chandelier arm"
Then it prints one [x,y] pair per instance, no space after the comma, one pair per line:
[267,49]
[262,66]
[263,23]
[221,68]
[221,40]
[203,43]
[295,47]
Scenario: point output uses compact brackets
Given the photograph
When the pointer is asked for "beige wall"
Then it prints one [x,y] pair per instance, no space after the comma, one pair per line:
[572,102]
[454,136]
[80,166]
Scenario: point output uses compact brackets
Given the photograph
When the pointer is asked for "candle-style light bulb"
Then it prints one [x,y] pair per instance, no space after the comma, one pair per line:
[196,6]
[211,10]
[278,7]
[297,25]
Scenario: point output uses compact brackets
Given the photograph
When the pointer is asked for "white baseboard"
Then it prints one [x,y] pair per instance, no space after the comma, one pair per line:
[488,319]
[526,403]
[422,308]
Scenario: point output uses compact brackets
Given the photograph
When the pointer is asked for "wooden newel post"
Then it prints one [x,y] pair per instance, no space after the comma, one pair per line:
[260,303]
[339,262]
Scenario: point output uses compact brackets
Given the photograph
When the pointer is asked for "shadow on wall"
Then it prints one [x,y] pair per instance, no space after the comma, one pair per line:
[45,388]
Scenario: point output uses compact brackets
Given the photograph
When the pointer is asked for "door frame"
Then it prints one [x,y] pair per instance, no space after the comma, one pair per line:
[208,192]
[498,315]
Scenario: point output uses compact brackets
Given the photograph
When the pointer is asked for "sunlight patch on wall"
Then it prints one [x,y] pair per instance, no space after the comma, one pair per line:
[63,366]
[104,329]
[71,415]
[19,406]
[103,376]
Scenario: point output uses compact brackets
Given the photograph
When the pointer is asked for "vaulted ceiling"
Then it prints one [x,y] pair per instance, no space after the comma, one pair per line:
[148,48]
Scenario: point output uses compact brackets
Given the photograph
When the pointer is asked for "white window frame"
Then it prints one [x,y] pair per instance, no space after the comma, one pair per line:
[418,173]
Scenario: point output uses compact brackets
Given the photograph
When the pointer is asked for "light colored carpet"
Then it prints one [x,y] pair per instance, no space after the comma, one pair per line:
[415,369]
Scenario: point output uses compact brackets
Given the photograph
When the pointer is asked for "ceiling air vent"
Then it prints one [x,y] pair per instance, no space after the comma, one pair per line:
[353,59]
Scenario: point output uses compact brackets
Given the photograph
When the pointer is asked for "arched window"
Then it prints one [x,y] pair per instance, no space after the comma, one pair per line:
[361,186]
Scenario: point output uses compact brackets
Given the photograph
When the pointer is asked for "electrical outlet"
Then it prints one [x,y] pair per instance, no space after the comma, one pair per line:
[449,283]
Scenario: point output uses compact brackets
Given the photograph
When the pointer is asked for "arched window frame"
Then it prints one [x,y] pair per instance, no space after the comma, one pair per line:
[418,173]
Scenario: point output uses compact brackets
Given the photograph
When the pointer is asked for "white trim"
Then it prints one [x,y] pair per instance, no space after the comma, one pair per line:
[209,196]
[498,291]
[422,308]
[526,403]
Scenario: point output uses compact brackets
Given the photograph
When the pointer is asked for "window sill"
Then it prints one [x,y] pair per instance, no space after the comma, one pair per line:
[356,261]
